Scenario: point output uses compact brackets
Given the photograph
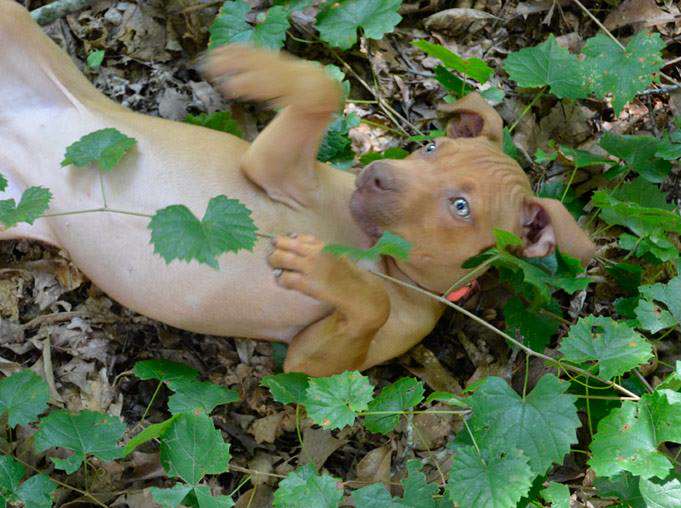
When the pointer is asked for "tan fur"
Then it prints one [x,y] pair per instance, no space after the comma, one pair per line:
[334,315]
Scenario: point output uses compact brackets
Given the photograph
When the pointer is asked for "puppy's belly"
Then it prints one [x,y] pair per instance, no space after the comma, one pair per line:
[241,299]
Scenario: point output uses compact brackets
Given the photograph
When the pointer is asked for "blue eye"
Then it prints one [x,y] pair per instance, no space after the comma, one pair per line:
[430,147]
[460,207]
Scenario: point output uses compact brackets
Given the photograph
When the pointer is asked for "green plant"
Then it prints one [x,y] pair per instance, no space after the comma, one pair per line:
[510,439]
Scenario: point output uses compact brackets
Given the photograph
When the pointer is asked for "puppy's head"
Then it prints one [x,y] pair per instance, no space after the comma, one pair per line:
[448,197]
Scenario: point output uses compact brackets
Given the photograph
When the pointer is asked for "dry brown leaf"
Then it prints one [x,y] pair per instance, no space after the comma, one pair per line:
[374,467]
[637,12]
[266,430]
[257,497]
[318,445]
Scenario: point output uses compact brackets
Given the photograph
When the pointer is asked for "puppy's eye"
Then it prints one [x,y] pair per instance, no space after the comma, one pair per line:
[430,148]
[460,207]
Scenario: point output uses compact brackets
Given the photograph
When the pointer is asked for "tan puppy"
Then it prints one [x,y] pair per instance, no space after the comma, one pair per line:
[445,199]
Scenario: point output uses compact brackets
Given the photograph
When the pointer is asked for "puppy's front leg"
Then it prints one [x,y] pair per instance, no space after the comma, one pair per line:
[361,305]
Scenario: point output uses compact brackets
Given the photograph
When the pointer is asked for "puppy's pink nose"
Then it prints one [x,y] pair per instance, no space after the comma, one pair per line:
[377,176]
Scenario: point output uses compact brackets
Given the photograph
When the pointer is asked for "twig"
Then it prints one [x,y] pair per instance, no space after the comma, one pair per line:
[506,336]
[609,34]
[661,89]
[51,12]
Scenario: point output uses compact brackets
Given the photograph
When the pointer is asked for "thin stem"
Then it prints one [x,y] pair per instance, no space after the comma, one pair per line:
[416,412]
[298,433]
[101,187]
[527,108]
[569,184]
[61,484]
[588,412]
[240,469]
[96,210]
[506,336]
[470,433]
[151,402]
[644,381]
[527,375]
[241,484]
[471,275]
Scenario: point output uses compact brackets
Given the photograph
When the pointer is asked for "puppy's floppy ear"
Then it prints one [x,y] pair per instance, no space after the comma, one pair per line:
[547,224]
[471,117]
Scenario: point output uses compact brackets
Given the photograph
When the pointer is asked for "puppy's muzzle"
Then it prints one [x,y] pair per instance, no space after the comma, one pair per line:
[378,177]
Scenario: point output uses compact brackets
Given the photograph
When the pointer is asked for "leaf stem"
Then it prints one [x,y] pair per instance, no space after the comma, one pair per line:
[471,275]
[298,433]
[61,484]
[470,433]
[96,210]
[101,187]
[506,336]
[151,401]
[527,108]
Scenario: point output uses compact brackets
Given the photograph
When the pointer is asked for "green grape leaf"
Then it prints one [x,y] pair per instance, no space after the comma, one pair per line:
[402,395]
[336,146]
[33,203]
[287,388]
[670,147]
[95,59]
[543,424]
[661,495]
[171,497]
[628,437]
[84,433]
[452,83]
[338,22]
[374,496]
[418,493]
[11,473]
[227,226]
[474,68]
[614,346]
[207,500]
[653,318]
[192,396]
[219,121]
[230,26]
[583,158]
[557,494]
[534,328]
[623,486]
[622,73]
[153,431]
[640,219]
[494,480]
[304,488]
[669,294]
[673,379]
[390,153]
[548,64]
[23,396]
[192,448]
[388,244]
[35,492]
[164,370]
[3,182]
[627,276]
[333,402]
[639,154]
[105,148]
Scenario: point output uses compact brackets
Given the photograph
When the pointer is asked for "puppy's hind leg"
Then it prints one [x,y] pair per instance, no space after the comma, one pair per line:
[282,158]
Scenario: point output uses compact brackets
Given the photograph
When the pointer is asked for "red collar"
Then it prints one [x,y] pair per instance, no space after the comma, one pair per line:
[463,292]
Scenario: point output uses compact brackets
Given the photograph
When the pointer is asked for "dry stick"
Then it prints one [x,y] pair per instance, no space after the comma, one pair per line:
[513,341]
[387,109]
[609,34]
[51,12]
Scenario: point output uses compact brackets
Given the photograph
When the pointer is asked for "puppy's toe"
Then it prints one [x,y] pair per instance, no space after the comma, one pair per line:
[287,260]
[292,280]
[300,245]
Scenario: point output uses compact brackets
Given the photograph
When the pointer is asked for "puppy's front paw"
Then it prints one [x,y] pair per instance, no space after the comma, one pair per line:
[300,264]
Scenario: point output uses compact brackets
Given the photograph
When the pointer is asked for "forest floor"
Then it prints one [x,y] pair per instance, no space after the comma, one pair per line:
[54,321]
